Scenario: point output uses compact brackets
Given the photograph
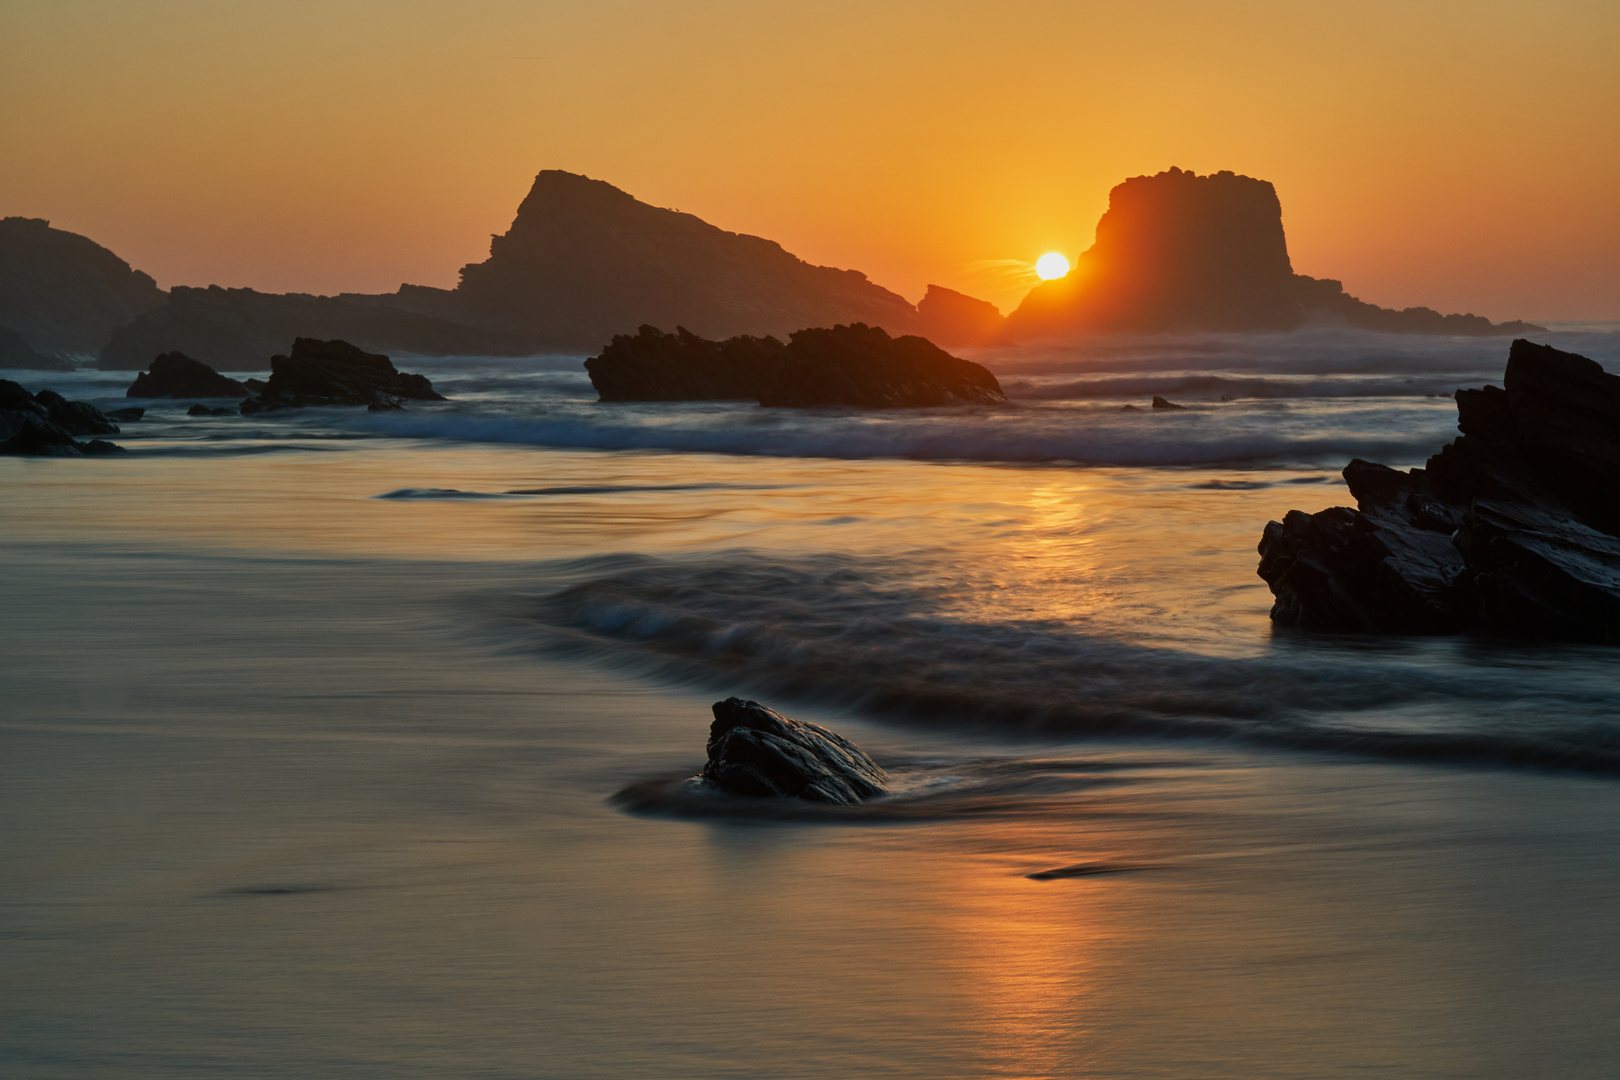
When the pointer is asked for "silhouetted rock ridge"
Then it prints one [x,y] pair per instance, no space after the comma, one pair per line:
[1178,251]
[62,291]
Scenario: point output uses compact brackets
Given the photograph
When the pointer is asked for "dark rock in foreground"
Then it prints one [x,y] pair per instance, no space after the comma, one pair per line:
[1512,529]
[44,424]
[855,366]
[176,375]
[759,752]
[335,373]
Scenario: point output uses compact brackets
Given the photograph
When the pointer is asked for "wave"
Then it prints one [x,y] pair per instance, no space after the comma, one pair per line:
[890,638]
[1017,435]
[1226,387]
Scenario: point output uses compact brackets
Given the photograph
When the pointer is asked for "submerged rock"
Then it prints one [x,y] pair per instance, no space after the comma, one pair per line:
[1165,403]
[44,424]
[335,373]
[176,375]
[1512,529]
[758,752]
[199,409]
[853,366]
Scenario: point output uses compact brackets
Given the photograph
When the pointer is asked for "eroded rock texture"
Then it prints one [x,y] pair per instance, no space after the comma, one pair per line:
[759,752]
[1512,529]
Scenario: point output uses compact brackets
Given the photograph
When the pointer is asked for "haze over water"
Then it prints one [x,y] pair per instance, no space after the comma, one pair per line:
[345,744]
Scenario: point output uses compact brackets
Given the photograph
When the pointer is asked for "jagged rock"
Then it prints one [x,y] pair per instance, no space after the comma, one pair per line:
[1512,529]
[947,317]
[854,366]
[335,373]
[17,354]
[758,752]
[44,424]
[655,366]
[862,366]
[176,375]
[583,260]
[1179,251]
[75,417]
[1164,403]
[62,291]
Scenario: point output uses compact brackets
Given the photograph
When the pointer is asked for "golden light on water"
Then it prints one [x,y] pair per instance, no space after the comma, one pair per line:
[1051,265]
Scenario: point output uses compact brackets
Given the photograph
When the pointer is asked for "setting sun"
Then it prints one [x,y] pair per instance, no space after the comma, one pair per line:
[1051,265]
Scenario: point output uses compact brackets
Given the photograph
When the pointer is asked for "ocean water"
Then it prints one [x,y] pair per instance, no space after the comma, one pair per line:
[338,744]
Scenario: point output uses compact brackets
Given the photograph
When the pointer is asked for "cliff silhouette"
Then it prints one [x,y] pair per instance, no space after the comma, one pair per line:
[1178,251]
[584,261]
[62,292]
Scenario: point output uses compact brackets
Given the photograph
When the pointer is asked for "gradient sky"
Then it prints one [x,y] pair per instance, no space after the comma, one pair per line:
[1460,155]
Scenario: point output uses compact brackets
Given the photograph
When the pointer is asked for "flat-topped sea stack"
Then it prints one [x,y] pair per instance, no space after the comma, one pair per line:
[336,373]
[584,260]
[1512,529]
[854,366]
[1182,252]
[951,318]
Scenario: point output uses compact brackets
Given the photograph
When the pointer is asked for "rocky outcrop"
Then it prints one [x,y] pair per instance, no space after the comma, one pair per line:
[238,329]
[756,751]
[63,292]
[44,424]
[1512,529]
[1178,251]
[948,317]
[176,375]
[16,354]
[583,260]
[335,373]
[855,366]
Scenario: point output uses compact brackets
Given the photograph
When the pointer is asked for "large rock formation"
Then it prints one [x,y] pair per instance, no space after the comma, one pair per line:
[948,317]
[238,329]
[336,373]
[1178,251]
[758,752]
[1512,529]
[176,375]
[584,260]
[64,292]
[854,366]
[44,424]
[17,354]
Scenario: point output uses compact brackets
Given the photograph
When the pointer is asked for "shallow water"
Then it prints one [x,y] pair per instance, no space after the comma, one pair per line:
[344,745]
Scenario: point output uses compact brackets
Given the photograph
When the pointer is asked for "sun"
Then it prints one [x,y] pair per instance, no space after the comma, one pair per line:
[1051,265]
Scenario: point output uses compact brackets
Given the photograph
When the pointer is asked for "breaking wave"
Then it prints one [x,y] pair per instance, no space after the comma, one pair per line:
[892,640]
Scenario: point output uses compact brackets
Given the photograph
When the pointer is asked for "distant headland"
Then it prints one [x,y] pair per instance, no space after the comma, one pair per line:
[584,261]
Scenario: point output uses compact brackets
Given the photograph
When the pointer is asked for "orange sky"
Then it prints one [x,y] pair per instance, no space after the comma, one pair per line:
[1460,155]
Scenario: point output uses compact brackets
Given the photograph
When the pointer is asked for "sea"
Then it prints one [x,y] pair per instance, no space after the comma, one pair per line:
[349,744]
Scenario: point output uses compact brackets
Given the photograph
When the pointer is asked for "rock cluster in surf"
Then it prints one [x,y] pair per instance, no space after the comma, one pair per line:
[758,752]
[1512,529]
[176,375]
[853,366]
[46,424]
[337,373]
